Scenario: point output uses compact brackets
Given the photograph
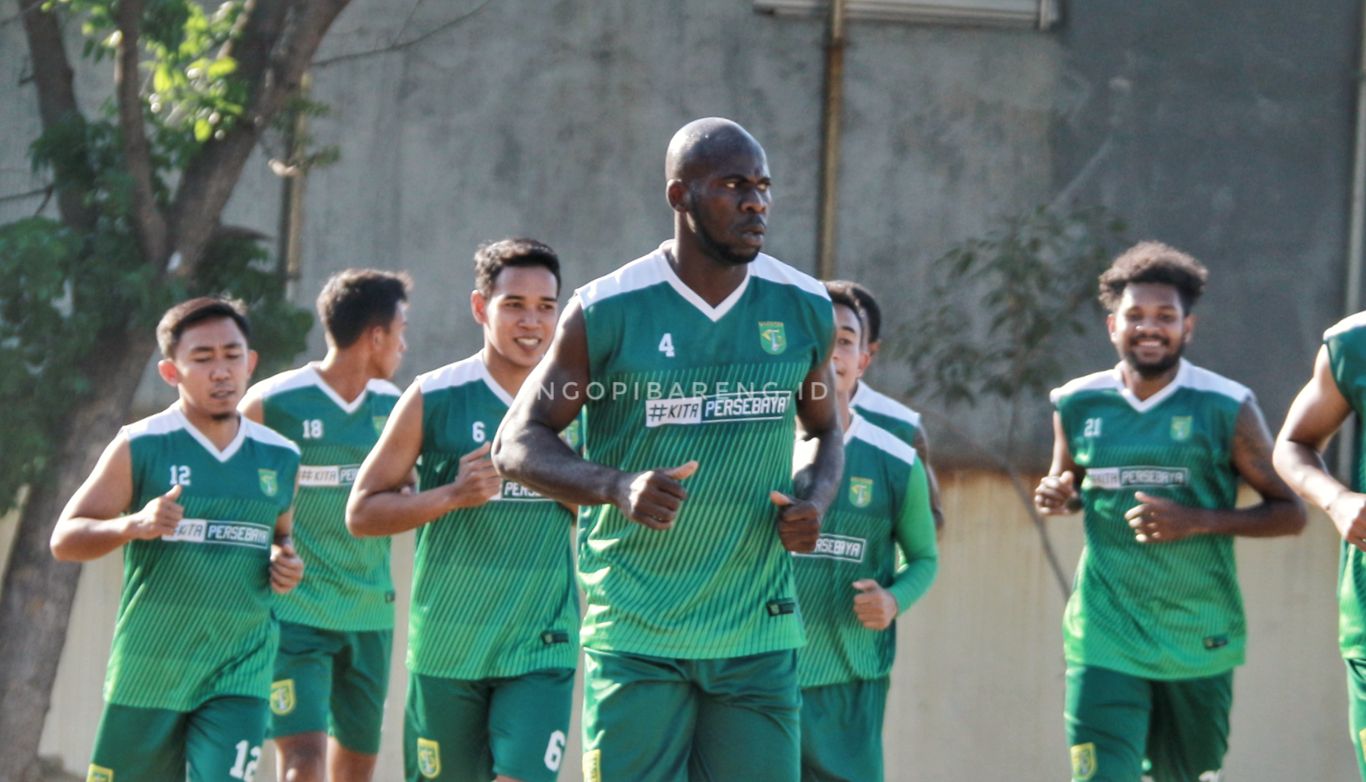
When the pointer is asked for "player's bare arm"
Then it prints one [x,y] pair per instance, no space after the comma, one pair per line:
[921,444]
[94,521]
[528,448]
[1317,413]
[1056,494]
[286,568]
[799,518]
[1159,520]
[381,501]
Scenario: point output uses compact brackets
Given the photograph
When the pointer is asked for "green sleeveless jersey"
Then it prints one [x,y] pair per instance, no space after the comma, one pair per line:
[675,379]
[1346,343]
[883,506]
[493,586]
[194,619]
[886,413]
[348,587]
[1154,610]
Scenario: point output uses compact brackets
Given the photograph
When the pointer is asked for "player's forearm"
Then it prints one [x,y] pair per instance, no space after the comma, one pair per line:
[1271,518]
[826,469]
[1304,471]
[376,514]
[913,580]
[537,458]
[85,539]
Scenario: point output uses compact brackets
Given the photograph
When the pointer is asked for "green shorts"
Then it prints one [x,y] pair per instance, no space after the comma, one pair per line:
[842,731]
[333,681]
[218,742]
[470,731]
[1121,727]
[651,718]
[1356,708]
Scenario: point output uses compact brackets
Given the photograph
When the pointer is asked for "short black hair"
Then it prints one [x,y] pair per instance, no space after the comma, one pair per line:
[872,314]
[354,300]
[492,257]
[842,293]
[195,311]
[1153,262]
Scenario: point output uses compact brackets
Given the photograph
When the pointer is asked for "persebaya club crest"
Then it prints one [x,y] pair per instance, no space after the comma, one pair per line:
[282,697]
[99,774]
[772,336]
[379,421]
[1181,428]
[428,758]
[270,484]
[860,492]
[1084,761]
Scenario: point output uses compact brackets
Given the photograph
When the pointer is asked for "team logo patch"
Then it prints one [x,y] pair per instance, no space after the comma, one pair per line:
[99,774]
[860,492]
[270,484]
[772,336]
[592,766]
[379,421]
[1083,761]
[428,758]
[1181,428]
[282,697]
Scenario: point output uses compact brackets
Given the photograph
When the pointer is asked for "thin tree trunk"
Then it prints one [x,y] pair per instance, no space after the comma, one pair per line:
[37,593]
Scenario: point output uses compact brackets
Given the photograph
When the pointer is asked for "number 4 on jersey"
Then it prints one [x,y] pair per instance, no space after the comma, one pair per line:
[666,345]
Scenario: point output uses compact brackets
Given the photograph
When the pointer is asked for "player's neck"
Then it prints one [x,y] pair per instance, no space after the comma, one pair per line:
[220,431]
[709,278]
[1143,387]
[507,375]
[347,372]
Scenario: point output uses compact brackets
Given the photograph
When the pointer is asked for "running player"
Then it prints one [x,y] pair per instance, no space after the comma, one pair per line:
[1152,450]
[336,629]
[691,363]
[1336,390]
[888,413]
[199,499]
[851,588]
[492,631]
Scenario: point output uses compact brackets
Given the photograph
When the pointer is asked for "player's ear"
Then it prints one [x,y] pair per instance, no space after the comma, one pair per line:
[252,358]
[864,358]
[479,307]
[1189,329]
[167,369]
[1110,323]
[677,194]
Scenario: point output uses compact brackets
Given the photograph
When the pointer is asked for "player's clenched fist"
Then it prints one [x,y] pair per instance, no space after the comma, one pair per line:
[799,522]
[1348,512]
[653,497]
[477,482]
[874,606]
[286,569]
[157,518]
[1057,494]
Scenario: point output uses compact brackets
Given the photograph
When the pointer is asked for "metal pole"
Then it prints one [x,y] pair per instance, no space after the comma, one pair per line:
[1347,446]
[830,140]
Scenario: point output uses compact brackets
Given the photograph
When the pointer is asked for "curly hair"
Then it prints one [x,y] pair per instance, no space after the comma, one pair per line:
[1153,262]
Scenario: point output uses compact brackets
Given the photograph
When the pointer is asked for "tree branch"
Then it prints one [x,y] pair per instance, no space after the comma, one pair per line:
[53,80]
[397,45]
[148,221]
[272,54]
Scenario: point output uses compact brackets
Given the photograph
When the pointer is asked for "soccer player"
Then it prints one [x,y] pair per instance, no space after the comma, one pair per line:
[885,411]
[691,363]
[1152,451]
[1336,390]
[336,629]
[199,499]
[851,588]
[492,630]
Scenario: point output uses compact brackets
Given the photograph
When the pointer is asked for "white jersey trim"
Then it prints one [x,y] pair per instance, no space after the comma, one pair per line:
[881,439]
[867,398]
[641,273]
[172,419]
[1188,375]
[308,376]
[1349,323]
[766,267]
[463,372]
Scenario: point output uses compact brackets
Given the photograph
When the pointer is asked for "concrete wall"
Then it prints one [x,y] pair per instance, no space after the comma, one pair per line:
[978,684]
